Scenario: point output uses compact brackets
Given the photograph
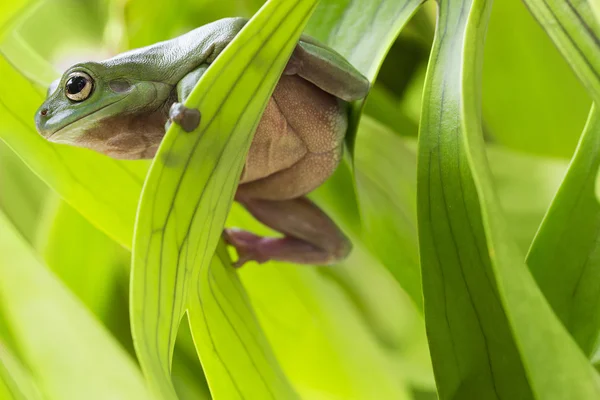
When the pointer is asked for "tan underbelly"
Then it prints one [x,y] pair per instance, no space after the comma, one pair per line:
[299,122]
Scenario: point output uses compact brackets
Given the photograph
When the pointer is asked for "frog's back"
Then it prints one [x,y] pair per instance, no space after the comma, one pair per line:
[169,61]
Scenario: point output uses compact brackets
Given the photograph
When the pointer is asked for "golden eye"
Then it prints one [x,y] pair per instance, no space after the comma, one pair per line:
[79,86]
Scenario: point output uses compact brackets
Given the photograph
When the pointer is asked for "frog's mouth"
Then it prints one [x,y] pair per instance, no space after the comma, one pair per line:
[85,119]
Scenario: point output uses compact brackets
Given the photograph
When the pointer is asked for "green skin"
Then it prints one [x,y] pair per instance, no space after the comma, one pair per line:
[122,106]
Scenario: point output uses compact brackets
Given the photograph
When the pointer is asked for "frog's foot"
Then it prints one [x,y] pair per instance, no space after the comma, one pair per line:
[310,237]
[251,247]
[246,244]
[187,118]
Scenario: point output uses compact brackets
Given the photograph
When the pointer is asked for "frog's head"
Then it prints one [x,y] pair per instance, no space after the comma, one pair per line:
[96,97]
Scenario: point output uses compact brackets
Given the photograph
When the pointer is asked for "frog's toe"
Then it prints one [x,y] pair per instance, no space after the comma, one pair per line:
[187,118]
[246,244]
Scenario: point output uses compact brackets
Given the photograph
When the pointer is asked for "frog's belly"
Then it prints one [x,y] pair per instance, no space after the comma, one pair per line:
[298,142]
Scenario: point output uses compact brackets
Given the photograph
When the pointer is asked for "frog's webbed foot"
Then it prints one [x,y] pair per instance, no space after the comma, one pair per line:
[311,237]
[187,118]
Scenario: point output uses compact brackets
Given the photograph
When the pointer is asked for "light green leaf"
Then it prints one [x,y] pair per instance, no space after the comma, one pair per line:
[183,208]
[575,30]
[85,259]
[62,361]
[21,193]
[467,252]
[15,381]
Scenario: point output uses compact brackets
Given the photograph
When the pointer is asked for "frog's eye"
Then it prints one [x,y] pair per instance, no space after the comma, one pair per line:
[79,86]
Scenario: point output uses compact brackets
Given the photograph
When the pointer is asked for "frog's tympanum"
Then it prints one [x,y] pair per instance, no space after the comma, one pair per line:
[121,107]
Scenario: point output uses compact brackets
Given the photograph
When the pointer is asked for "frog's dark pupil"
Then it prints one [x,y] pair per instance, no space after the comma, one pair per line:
[76,84]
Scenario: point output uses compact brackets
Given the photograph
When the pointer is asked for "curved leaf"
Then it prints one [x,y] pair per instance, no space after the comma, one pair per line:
[183,208]
[62,361]
[575,29]
[466,322]
[564,258]
[467,252]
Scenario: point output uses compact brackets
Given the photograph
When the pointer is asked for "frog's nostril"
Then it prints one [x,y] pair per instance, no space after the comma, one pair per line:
[44,112]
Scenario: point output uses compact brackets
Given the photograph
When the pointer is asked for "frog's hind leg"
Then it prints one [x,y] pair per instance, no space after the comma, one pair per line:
[310,236]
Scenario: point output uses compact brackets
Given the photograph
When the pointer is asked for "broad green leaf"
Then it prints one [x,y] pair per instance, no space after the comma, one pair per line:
[21,193]
[466,323]
[575,30]
[183,208]
[85,259]
[524,197]
[532,101]
[62,361]
[466,242]
[564,258]
[388,202]
[16,382]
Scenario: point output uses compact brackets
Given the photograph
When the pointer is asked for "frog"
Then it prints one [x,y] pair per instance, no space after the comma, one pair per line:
[122,106]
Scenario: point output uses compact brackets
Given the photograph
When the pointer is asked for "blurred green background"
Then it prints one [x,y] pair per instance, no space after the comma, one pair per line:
[533,109]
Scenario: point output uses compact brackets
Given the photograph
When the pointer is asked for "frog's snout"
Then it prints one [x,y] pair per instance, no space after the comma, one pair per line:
[41,119]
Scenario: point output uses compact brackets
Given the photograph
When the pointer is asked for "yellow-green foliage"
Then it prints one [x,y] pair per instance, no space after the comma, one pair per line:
[475,272]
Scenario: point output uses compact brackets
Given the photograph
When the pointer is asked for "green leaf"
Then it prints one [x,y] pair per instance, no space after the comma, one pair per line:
[16,382]
[524,198]
[575,30]
[21,193]
[564,258]
[469,259]
[184,205]
[532,101]
[465,318]
[62,361]
[85,259]
[388,202]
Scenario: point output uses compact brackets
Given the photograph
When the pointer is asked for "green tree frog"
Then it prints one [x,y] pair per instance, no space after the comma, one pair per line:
[122,106]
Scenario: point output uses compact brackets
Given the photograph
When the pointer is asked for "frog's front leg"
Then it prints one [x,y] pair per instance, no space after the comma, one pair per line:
[310,236]
[187,118]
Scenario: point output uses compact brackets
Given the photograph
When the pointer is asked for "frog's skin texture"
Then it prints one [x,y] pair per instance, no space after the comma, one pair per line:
[121,107]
